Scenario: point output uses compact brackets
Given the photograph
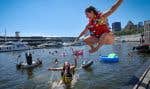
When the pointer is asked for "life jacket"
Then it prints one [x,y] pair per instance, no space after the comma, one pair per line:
[97,26]
[66,76]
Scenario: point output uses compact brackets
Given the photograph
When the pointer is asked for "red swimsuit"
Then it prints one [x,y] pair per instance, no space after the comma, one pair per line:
[97,26]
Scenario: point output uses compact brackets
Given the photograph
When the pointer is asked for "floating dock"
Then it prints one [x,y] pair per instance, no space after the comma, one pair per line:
[144,81]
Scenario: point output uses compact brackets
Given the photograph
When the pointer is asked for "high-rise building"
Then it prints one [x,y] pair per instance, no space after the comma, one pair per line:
[116,26]
[17,34]
[130,25]
[147,32]
[140,26]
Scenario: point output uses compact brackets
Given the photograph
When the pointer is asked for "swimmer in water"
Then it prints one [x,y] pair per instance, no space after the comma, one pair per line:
[56,51]
[56,61]
[67,72]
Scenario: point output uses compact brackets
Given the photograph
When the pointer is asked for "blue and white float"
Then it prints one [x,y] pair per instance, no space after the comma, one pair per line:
[111,58]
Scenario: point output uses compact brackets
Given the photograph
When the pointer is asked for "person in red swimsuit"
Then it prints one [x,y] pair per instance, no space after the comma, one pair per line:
[100,33]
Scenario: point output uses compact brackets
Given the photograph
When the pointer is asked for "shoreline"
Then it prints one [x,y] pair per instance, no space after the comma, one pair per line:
[128,38]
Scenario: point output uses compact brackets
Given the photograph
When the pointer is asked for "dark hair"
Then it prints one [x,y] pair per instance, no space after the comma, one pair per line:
[91,8]
[68,68]
[63,71]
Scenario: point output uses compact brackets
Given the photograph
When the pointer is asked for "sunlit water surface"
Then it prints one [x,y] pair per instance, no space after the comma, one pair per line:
[121,75]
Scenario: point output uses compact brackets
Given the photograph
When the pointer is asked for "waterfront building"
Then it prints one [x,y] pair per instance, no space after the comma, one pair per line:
[130,26]
[116,26]
[36,40]
[140,26]
[17,34]
[147,32]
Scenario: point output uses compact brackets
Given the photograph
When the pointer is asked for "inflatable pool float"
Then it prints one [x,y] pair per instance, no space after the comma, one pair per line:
[78,53]
[24,65]
[86,65]
[111,58]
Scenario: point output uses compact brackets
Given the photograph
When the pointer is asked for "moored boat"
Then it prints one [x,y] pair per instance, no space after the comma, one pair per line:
[24,65]
[14,46]
[87,65]
[142,48]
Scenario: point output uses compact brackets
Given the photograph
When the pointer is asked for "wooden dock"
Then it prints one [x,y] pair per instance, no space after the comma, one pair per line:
[144,81]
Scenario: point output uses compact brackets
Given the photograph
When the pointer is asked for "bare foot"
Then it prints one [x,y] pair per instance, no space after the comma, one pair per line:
[93,49]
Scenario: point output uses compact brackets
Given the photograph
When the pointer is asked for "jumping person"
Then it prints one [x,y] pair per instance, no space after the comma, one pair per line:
[67,72]
[100,33]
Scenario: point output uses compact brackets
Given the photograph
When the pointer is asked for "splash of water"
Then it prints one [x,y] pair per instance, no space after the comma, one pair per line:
[60,85]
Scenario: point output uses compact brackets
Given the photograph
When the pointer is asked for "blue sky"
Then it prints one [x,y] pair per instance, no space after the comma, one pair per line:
[62,17]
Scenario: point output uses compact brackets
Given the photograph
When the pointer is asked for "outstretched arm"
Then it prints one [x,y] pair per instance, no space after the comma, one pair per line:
[112,9]
[82,33]
[75,63]
[55,69]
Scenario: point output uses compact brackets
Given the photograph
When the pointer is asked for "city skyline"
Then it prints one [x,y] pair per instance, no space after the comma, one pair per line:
[56,18]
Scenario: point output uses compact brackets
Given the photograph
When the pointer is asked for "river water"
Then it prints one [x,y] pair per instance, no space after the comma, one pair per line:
[121,75]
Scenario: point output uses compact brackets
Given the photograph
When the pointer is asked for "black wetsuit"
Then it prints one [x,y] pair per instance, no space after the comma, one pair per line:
[65,74]
[29,59]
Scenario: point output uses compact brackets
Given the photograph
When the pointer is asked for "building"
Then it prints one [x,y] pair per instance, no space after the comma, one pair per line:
[17,34]
[144,46]
[140,26]
[147,32]
[130,25]
[116,26]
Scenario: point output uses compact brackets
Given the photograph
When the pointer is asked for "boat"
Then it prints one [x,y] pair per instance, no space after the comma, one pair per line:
[87,65]
[80,43]
[51,45]
[66,44]
[24,65]
[14,46]
[111,58]
[145,48]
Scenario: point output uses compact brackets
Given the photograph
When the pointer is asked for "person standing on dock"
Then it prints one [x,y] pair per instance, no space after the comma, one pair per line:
[100,33]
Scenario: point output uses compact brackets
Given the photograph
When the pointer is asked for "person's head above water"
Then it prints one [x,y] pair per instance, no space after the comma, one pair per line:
[66,66]
[90,12]
[30,54]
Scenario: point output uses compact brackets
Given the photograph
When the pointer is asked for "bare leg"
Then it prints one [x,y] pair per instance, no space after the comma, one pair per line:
[110,39]
[90,41]
[96,48]
[99,44]
[106,38]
